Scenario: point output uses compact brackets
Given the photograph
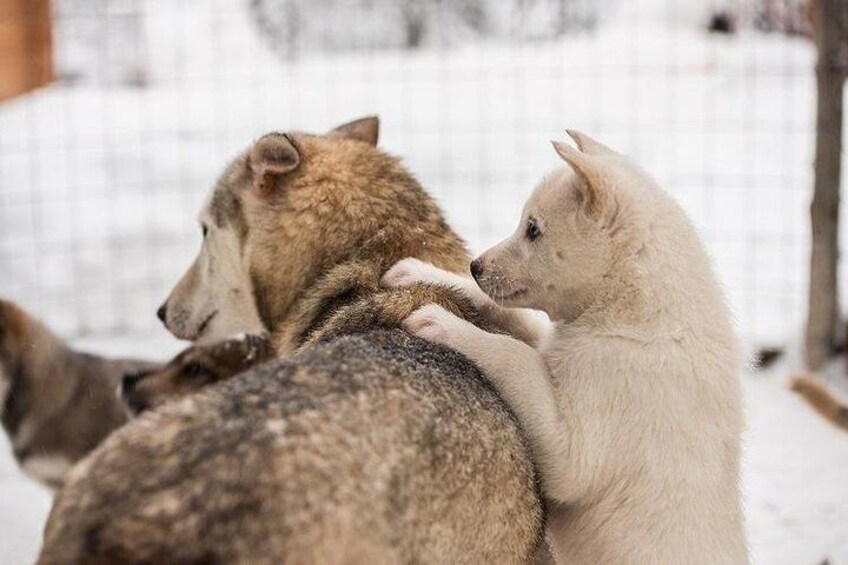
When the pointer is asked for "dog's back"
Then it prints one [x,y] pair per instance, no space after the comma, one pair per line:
[376,448]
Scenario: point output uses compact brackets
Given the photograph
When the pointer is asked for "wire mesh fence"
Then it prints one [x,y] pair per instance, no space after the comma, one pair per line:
[103,172]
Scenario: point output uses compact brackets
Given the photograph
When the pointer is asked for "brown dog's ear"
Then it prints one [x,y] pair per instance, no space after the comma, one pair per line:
[271,157]
[365,129]
[596,196]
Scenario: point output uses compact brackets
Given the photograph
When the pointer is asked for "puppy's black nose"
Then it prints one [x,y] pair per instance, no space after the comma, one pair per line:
[162,312]
[476,268]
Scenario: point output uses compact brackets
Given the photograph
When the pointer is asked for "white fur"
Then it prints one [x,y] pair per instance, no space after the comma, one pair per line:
[632,404]
[47,469]
[214,299]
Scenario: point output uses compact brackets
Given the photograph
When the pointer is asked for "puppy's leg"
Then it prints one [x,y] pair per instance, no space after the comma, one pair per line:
[520,324]
[410,271]
[521,376]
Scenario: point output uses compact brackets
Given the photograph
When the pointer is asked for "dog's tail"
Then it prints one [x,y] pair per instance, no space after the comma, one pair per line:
[822,399]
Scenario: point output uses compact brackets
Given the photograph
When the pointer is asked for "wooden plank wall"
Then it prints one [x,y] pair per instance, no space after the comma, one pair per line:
[26,49]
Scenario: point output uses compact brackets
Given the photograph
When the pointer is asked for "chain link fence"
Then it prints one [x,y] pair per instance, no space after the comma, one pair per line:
[102,172]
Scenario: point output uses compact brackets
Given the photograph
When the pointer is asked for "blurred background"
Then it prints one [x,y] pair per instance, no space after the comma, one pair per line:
[116,116]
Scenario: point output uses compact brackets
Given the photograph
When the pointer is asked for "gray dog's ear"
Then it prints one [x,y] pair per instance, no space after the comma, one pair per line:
[596,193]
[365,129]
[271,157]
[588,145]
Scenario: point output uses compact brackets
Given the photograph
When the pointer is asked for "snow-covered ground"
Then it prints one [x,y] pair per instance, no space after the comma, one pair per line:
[99,188]
[796,495]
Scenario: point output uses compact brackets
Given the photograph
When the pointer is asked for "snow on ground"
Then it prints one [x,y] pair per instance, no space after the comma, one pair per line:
[796,495]
[794,487]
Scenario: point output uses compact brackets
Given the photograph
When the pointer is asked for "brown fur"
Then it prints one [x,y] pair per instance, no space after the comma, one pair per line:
[349,299]
[59,403]
[346,301]
[344,189]
[364,446]
[193,369]
[821,399]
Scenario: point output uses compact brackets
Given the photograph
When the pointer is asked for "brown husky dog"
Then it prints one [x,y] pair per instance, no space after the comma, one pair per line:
[57,403]
[364,444]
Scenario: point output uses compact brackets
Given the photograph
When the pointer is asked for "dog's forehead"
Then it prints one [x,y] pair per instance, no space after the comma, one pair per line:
[541,194]
[206,215]
[222,206]
[555,187]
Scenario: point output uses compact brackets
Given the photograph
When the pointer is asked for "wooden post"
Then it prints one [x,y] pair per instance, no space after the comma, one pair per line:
[26,50]
[823,314]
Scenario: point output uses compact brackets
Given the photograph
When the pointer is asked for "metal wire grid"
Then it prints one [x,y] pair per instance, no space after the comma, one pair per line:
[101,175]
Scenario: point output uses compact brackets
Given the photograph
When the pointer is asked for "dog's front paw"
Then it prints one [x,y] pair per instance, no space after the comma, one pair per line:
[409,271]
[434,323]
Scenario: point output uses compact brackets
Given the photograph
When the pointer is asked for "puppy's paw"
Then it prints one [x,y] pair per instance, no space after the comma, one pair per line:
[434,323]
[409,271]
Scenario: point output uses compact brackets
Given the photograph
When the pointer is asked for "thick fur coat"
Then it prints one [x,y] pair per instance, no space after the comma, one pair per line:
[366,446]
[632,403]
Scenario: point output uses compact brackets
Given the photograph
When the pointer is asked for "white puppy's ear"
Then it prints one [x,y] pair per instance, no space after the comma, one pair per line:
[271,157]
[365,129]
[588,145]
[595,192]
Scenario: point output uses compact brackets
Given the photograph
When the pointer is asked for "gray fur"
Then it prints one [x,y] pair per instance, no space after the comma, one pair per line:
[56,404]
[424,445]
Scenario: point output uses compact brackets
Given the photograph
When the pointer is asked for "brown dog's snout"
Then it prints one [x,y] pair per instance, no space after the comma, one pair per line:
[477,267]
[162,312]
[130,380]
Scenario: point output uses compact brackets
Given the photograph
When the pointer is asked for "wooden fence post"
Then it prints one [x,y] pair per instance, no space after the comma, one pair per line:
[823,314]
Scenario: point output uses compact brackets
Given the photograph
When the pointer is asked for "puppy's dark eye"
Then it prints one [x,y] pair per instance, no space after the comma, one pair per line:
[533,231]
[205,229]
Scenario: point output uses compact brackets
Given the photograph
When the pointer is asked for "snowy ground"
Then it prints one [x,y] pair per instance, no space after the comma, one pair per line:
[796,495]
[99,188]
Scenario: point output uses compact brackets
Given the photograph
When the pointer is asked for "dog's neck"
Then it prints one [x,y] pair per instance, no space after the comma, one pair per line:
[633,300]
[355,282]
[334,289]
[354,275]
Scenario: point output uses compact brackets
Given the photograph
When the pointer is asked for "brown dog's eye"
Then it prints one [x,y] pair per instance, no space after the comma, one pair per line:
[204,229]
[196,372]
[533,231]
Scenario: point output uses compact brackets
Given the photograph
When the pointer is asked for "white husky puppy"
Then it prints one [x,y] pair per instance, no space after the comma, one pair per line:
[631,403]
